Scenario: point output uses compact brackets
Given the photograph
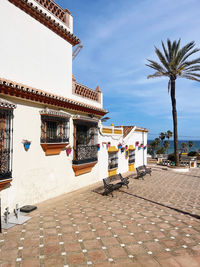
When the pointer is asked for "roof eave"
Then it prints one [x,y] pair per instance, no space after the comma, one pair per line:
[47,98]
[46,20]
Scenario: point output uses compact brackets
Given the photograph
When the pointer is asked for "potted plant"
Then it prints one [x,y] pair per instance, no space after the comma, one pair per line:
[108,144]
[68,150]
[26,144]
[119,146]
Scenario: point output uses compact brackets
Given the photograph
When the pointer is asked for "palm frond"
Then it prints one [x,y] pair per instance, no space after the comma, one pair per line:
[174,49]
[155,65]
[189,54]
[192,62]
[162,58]
[177,46]
[190,77]
[157,74]
[192,68]
[183,51]
[191,74]
[165,51]
[169,49]
[169,86]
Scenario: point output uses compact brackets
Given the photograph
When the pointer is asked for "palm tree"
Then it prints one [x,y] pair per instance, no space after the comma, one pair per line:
[157,141]
[166,145]
[162,136]
[190,143]
[175,64]
[168,134]
[184,147]
[154,146]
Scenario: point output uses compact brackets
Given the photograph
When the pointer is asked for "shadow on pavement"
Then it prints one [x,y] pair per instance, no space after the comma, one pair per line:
[163,205]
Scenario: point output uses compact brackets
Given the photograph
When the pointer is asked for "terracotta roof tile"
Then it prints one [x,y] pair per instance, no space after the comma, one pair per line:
[127,130]
[6,104]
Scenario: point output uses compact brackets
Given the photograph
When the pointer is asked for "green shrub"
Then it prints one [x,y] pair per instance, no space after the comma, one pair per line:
[161,150]
[193,154]
[171,157]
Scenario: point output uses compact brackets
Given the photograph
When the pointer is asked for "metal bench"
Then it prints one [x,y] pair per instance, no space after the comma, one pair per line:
[147,170]
[142,171]
[109,187]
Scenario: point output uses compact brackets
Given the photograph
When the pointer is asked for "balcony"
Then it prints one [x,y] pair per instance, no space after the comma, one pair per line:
[85,154]
[85,159]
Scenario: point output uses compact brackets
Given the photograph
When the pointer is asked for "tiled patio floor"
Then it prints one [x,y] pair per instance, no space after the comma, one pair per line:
[134,228]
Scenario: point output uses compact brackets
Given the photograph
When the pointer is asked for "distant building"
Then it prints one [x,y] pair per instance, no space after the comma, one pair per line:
[123,149]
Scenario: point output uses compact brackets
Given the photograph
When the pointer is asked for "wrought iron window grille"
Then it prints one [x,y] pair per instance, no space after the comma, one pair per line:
[131,156]
[112,160]
[86,149]
[54,129]
[6,143]
[85,154]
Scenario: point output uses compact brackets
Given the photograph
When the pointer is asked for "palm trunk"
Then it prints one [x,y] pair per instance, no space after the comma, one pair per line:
[174,114]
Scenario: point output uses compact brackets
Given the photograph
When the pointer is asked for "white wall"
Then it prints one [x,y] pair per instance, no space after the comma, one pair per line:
[103,153]
[33,54]
[140,155]
[37,177]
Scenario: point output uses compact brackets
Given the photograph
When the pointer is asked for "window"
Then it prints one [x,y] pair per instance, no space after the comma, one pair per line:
[112,160]
[6,130]
[55,129]
[86,135]
[131,156]
[85,142]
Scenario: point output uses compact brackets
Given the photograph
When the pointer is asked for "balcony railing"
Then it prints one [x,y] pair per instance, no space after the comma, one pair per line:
[85,154]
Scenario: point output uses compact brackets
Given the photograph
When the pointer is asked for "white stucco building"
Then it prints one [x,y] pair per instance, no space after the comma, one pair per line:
[122,149]
[50,127]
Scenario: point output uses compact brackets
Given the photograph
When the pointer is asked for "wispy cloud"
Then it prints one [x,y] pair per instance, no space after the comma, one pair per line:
[118,36]
[144,80]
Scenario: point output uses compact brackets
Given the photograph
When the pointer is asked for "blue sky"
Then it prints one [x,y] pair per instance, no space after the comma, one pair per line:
[118,36]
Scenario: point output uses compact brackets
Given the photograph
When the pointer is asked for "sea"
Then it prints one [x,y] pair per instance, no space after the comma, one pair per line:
[195,147]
